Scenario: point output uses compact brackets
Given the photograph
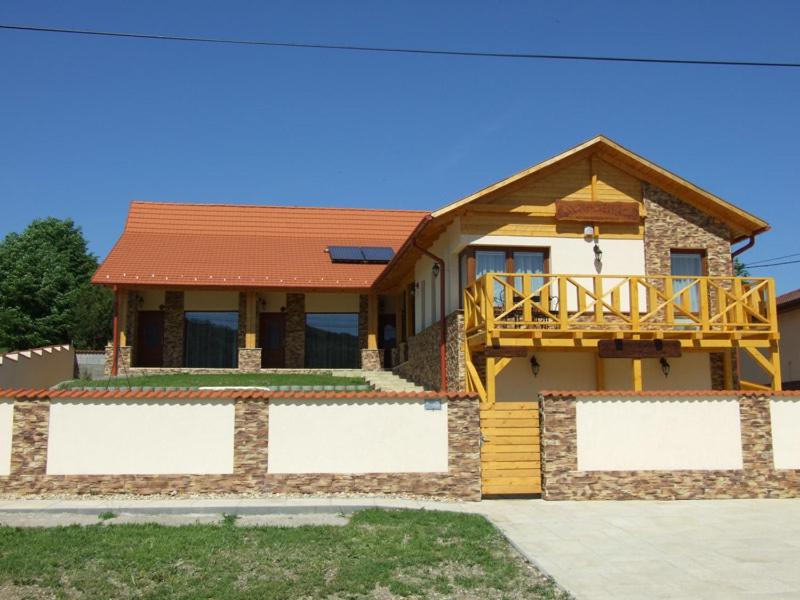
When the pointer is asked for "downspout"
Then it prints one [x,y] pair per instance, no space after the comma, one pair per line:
[115,343]
[750,243]
[442,318]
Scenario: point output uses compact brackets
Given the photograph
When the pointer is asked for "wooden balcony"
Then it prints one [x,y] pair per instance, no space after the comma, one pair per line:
[548,311]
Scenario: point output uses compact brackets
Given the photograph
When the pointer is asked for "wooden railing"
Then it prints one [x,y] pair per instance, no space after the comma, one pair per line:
[634,304]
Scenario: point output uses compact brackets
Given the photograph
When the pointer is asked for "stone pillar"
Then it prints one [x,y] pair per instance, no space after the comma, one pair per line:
[173,329]
[249,360]
[123,360]
[371,359]
[295,331]
[371,356]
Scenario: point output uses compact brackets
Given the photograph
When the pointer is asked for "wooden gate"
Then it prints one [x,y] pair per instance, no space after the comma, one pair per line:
[510,453]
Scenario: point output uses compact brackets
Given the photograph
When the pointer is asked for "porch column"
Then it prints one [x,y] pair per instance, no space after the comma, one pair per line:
[250,356]
[636,364]
[370,356]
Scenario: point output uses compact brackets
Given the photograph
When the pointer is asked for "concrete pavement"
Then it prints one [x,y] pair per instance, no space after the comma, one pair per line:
[687,549]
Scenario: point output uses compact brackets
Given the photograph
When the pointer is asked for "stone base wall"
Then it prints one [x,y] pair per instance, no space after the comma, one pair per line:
[123,360]
[295,331]
[561,479]
[371,360]
[251,447]
[422,366]
[249,360]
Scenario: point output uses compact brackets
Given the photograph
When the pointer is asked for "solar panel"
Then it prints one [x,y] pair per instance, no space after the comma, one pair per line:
[360,254]
[377,254]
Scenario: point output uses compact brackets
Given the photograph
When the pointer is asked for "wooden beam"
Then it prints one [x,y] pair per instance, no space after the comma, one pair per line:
[639,348]
[372,321]
[251,319]
[599,372]
[123,317]
[491,389]
[775,359]
[636,367]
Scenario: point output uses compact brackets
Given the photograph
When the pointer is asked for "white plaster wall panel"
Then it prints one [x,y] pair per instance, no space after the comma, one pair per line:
[785,418]
[201,300]
[658,434]
[331,303]
[557,371]
[575,256]
[6,431]
[153,437]
[352,436]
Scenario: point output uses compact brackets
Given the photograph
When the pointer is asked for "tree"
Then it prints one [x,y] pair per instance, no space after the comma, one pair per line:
[739,269]
[45,296]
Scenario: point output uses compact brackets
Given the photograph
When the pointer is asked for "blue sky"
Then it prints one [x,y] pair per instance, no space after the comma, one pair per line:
[90,123]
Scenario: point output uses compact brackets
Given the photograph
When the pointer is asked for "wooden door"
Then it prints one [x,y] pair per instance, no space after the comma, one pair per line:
[272,336]
[511,463]
[150,339]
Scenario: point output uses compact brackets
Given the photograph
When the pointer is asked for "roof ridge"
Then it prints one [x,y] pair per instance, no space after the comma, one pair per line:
[288,206]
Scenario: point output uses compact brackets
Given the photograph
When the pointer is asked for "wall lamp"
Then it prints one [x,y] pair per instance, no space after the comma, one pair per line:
[598,253]
[665,366]
[435,269]
[535,366]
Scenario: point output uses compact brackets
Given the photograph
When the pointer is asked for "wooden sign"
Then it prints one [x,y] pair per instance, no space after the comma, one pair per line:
[506,352]
[639,348]
[597,212]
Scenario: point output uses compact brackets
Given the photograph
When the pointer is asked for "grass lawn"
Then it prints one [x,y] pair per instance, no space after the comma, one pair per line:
[234,379]
[380,555]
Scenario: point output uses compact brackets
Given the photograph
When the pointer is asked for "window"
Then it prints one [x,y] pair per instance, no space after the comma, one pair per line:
[332,341]
[477,261]
[212,340]
[691,264]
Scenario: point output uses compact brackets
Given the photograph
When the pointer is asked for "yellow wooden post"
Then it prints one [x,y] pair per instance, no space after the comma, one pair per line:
[704,304]
[636,365]
[669,309]
[123,317]
[372,321]
[526,293]
[633,299]
[775,359]
[563,315]
[727,368]
[251,319]
[598,303]
[491,389]
[599,372]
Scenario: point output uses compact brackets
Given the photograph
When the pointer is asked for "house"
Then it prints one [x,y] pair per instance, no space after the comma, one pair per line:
[595,269]
[788,305]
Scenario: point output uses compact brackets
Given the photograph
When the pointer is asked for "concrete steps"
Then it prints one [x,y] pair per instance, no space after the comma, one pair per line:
[385,381]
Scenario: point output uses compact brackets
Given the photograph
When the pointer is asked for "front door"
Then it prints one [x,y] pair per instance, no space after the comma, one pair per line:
[272,332]
[150,338]
[387,337]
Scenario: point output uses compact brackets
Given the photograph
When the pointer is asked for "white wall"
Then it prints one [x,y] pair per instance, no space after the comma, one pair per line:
[6,431]
[789,327]
[785,418]
[658,434]
[37,368]
[355,436]
[94,437]
[557,371]
[692,371]
[446,247]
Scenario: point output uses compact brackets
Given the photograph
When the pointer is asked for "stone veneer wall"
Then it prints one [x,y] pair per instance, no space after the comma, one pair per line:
[251,430]
[295,331]
[561,479]
[422,366]
[249,360]
[123,360]
[173,329]
[671,224]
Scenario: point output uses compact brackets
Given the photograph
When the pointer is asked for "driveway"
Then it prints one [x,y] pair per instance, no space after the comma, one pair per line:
[683,549]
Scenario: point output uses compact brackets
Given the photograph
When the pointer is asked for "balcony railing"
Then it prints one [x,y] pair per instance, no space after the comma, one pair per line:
[620,303]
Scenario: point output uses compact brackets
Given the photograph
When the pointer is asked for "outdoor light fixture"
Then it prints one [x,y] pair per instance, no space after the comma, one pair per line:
[435,269]
[588,232]
[535,366]
[598,254]
[665,366]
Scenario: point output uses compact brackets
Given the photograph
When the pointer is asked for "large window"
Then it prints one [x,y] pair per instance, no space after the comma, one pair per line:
[212,340]
[332,341]
[477,261]
[690,264]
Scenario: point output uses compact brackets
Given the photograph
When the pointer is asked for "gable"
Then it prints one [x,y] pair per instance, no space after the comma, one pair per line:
[529,208]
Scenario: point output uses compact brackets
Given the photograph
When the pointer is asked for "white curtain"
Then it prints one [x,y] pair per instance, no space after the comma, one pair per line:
[691,265]
[492,261]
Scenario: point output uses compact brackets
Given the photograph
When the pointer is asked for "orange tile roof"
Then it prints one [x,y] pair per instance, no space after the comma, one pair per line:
[225,245]
[46,394]
[611,394]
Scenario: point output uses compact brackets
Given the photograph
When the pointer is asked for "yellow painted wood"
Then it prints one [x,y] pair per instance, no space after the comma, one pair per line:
[499,489]
[251,320]
[495,432]
[636,368]
[372,321]
[509,424]
[510,453]
[122,317]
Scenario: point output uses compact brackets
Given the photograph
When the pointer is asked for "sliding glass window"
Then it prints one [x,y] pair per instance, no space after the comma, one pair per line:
[332,341]
[212,340]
